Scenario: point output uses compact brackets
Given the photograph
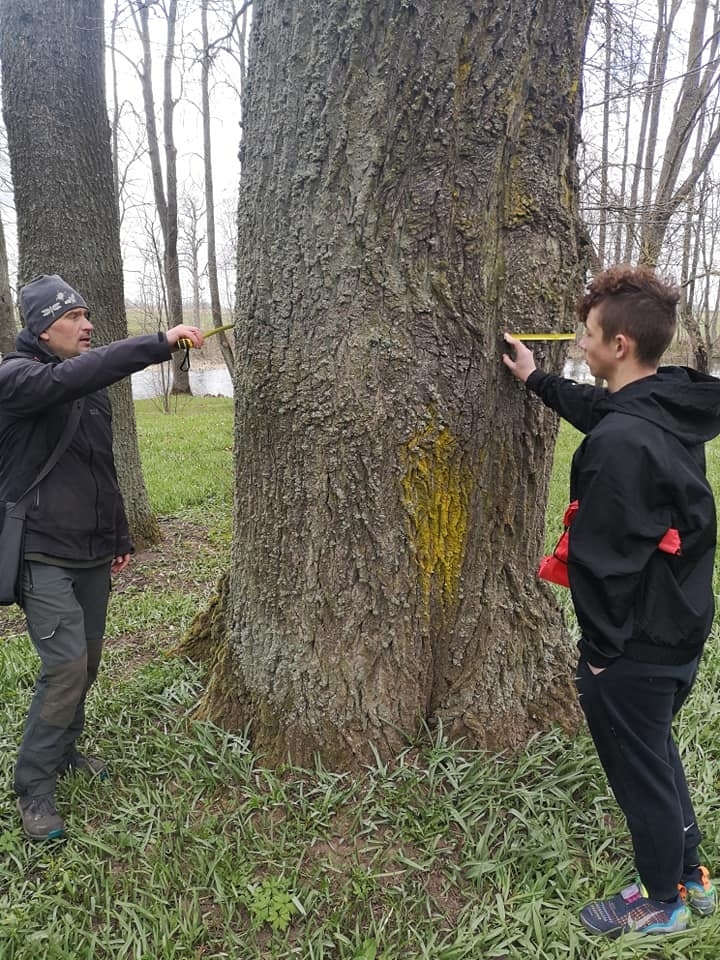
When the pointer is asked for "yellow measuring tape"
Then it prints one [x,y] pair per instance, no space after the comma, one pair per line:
[185,344]
[542,336]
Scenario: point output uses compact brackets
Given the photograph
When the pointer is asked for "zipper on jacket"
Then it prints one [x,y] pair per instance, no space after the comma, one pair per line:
[91,536]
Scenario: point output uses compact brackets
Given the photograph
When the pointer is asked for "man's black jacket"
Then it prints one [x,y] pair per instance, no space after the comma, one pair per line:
[77,512]
[639,471]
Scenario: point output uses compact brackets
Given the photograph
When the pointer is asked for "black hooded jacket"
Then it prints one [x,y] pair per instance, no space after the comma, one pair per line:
[77,512]
[640,471]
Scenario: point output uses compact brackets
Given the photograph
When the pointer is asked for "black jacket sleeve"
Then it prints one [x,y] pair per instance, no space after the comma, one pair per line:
[28,387]
[578,403]
[123,543]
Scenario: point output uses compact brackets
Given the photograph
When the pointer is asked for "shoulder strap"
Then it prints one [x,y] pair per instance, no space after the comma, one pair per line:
[60,447]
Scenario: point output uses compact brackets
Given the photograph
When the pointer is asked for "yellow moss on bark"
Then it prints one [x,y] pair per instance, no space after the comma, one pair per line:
[435,490]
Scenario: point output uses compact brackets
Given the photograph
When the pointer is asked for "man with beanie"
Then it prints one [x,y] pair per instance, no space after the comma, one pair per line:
[76,529]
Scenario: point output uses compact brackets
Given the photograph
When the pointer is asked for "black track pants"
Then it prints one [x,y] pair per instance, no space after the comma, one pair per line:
[629,709]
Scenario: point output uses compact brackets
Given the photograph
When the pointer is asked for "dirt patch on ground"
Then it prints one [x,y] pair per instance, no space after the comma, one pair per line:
[12,621]
[158,567]
[177,559]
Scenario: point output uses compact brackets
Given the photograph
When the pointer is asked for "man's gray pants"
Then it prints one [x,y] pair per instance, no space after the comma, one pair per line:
[65,610]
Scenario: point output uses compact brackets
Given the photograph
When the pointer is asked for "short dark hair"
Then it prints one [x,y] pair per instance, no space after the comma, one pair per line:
[636,302]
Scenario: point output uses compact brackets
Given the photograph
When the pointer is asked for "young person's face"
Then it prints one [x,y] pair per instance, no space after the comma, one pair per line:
[70,334]
[600,355]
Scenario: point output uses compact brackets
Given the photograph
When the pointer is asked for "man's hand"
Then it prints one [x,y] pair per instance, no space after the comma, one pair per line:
[522,364]
[119,563]
[183,332]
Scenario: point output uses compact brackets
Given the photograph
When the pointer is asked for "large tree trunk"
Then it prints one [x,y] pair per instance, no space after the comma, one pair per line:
[53,91]
[8,318]
[408,193]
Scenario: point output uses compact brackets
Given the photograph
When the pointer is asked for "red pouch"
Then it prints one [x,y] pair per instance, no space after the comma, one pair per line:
[671,542]
[554,567]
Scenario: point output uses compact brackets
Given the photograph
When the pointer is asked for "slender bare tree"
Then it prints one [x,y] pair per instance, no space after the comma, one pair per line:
[191,243]
[675,140]
[676,179]
[207,54]
[164,179]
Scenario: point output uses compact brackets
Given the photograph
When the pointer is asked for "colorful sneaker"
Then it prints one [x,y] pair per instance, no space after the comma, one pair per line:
[698,891]
[40,819]
[90,766]
[632,909]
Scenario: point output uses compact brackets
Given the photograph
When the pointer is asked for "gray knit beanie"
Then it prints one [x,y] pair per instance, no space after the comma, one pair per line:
[45,299]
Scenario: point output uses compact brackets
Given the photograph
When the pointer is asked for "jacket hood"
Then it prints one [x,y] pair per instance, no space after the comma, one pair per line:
[26,343]
[681,400]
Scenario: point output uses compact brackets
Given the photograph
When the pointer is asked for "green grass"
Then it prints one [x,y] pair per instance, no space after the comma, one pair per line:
[194,850]
[558,496]
[187,455]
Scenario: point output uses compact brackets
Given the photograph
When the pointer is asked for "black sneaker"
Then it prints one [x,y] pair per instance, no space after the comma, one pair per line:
[90,766]
[40,819]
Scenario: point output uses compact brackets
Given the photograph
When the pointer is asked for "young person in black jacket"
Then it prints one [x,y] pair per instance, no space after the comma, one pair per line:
[76,530]
[641,548]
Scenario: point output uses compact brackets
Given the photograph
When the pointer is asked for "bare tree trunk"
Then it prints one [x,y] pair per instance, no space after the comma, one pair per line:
[215,308]
[115,123]
[59,143]
[652,91]
[621,206]
[165,192]
[711,319]
[8,317]
[665,171]
[664,32]
[706,247]
[689,322]
[181,377]
[406,196]
[698,82]
[191,244]
[689,271]
[605,149]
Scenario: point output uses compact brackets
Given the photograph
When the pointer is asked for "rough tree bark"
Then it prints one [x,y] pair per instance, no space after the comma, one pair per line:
[53,92]
[408,192]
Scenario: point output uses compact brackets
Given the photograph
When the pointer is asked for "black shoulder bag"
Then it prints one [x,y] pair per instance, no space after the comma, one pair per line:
[12,518]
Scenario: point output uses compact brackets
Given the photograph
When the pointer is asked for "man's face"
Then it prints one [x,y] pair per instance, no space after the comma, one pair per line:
[70,334]
[600,355]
